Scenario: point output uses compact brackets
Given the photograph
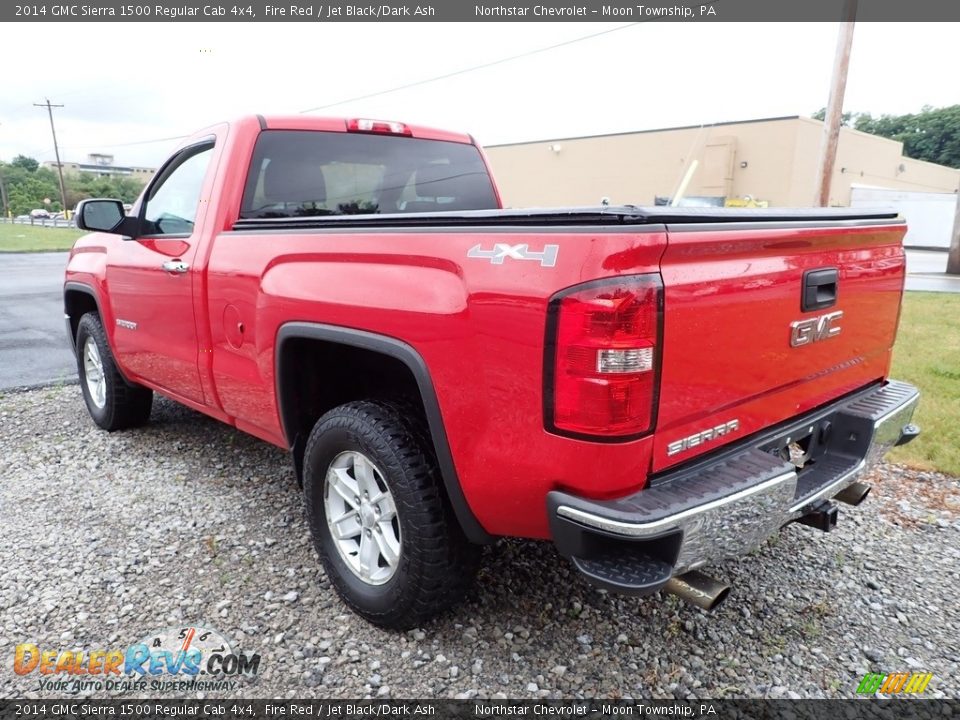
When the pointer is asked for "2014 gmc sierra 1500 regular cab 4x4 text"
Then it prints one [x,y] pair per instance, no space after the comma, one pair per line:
[652,389]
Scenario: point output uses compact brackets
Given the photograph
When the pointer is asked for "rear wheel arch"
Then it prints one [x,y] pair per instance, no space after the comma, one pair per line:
[306,353]
[380,520]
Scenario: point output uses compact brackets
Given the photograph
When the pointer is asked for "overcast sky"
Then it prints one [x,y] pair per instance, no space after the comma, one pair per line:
[127,83]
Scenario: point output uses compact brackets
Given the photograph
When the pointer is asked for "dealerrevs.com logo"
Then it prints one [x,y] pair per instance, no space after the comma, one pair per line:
[188,658]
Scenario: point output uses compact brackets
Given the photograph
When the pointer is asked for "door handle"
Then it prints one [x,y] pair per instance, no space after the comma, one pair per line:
[819,289]
[175,267]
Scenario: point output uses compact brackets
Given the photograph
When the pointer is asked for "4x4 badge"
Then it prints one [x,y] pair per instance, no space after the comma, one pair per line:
[502,251]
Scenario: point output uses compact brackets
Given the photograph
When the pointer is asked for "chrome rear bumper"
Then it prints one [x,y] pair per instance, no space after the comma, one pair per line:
[727,504]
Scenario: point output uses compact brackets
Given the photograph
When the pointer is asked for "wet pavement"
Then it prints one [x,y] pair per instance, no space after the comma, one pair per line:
[34,349]
[926,272]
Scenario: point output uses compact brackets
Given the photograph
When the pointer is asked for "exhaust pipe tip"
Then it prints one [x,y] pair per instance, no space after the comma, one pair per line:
[698,589]
[853,494]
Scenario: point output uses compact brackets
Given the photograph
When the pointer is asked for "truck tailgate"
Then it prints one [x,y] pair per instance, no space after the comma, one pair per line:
[740,351]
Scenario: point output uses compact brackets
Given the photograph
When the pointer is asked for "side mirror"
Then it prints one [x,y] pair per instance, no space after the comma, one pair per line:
[100,215]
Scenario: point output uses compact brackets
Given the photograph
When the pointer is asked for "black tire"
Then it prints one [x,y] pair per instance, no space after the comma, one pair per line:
[437,563]
[124,405]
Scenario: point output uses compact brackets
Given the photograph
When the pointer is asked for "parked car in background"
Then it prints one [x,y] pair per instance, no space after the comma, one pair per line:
[39,213]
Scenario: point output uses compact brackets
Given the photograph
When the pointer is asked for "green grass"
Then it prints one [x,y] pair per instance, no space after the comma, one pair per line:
[35,238]
[927,354]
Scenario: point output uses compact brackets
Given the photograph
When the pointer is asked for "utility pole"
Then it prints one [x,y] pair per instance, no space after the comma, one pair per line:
[3,196]
[953,259]
[56,150]
[831,122]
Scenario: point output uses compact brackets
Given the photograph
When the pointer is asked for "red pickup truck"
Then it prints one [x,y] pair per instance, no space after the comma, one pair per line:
[651,389]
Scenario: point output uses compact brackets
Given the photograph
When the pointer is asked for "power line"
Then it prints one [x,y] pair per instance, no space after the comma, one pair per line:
[56,150]
[473,68]
[424,81]
[129,144]
[149,142]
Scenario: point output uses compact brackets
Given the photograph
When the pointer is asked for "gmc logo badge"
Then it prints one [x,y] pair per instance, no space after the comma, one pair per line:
[823,327]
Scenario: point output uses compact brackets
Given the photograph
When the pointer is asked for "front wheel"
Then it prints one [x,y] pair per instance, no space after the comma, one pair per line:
[380,521]
[113,403]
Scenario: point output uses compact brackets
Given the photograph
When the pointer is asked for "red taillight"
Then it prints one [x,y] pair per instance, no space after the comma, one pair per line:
[387,127]
[602,376]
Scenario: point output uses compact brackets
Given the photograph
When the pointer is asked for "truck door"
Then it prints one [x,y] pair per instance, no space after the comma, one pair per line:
[151,278]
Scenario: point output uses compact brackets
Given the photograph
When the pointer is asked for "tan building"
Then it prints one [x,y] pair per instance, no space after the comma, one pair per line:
[102,165]
[772,160]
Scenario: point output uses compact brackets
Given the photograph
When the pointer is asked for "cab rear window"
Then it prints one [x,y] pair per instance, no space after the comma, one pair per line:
[311,173]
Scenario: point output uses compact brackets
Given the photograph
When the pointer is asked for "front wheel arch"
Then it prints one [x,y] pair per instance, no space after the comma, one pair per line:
[113,403]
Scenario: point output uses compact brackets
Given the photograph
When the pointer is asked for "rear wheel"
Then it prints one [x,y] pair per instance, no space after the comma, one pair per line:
[113,403]
[380,521]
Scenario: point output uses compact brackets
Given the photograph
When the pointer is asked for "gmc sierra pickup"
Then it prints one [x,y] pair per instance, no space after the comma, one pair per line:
[651,389]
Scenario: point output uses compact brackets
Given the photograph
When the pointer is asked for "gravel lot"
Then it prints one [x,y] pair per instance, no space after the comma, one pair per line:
[106,537]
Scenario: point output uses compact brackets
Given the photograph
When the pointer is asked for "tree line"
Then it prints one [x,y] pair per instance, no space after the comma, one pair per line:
[933,134]
[27,185]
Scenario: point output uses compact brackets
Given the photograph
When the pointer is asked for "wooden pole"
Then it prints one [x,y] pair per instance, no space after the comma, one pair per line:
[56,152]
[953,259]
[832,120]
[3,197]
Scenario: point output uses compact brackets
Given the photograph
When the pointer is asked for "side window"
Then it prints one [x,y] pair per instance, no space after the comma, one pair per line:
[171,207]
